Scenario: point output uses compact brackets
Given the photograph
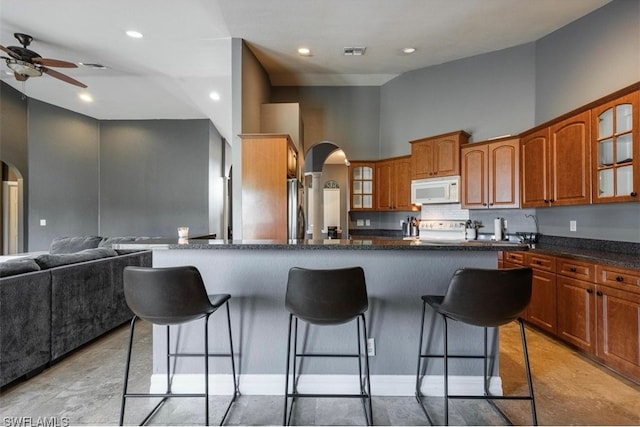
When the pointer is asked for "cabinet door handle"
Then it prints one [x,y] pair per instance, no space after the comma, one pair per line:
[599,293]
[546,200]
[589,291]
[619,279]
[538,262]
[490,204]
[484,204]
[633,194]
[551,201]
[572,269]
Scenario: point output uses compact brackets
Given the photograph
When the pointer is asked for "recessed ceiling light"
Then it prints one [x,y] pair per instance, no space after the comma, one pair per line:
[134,34]
[304,51]
[85,97]
[408,50]
[215,96]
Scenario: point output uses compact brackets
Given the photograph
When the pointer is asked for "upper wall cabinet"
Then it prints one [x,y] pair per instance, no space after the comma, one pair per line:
[266,165]
[556,164]
[437,155]
[616,150]
[362,179]
[393,184]
[491,175]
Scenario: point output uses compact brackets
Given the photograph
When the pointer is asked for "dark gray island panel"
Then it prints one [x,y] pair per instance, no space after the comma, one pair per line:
[255,274]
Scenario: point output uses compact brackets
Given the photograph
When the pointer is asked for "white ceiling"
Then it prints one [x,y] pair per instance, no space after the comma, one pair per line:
[186,49]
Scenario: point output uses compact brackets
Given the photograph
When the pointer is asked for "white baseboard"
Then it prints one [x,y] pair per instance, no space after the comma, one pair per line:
[381,385]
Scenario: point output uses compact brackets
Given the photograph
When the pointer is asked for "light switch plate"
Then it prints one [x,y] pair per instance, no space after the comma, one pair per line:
[360,222]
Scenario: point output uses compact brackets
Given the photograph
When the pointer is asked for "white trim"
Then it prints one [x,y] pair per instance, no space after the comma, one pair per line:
[381,385]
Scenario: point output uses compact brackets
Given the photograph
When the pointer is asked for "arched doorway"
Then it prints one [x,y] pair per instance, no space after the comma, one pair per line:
[11,209]
[327,189]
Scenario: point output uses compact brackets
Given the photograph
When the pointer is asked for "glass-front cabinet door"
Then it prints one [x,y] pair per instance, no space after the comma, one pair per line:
[362,176]
[615,154]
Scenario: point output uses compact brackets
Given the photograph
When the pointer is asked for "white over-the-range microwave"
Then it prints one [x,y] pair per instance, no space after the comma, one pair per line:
[435,190]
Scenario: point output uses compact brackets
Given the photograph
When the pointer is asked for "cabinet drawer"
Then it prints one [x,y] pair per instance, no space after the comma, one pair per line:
[576,269]
[620,278]
[540,262]
[514,257]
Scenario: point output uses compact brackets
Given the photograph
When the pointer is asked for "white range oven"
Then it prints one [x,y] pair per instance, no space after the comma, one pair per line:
[442,230]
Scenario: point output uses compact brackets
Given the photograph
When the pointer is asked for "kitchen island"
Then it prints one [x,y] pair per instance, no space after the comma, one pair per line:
[255,273]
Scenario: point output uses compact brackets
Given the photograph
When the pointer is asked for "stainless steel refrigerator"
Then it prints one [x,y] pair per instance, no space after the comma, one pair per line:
[295,211]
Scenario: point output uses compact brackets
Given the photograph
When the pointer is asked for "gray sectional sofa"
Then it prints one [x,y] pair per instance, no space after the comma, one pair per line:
[53,303]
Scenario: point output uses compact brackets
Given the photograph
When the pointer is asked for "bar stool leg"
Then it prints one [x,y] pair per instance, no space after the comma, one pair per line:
[233,364]
[525,351]
[206,370]
[126,369]
[286,381]
[446,372]
[369,416]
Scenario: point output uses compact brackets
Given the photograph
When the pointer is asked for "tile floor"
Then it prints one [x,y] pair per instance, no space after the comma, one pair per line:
[85,388]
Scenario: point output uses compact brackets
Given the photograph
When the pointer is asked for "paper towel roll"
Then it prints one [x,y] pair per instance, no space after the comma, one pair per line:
[497,229]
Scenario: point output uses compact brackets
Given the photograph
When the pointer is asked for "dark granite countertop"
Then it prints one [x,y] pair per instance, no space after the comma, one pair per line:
[591,255]
[364,243]
[620,254]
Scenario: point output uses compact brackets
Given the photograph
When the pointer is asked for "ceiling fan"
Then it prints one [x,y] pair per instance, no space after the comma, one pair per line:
[26,63]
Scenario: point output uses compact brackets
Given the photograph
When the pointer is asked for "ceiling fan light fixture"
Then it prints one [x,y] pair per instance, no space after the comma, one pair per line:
[23,68]
[304,51]
[408,50]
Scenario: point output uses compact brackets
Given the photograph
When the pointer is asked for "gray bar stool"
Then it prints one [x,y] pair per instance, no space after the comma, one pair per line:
[327,297]
[173,296]
[484,298]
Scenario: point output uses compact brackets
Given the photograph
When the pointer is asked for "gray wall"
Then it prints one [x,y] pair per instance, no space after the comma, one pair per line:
[154,177]
[63,174]
[112,178]
[588,59]
[347,116]
[14,148]
[486,95]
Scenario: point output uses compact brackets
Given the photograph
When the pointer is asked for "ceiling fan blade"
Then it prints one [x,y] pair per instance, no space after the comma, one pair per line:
[20,77]
[9,52]
[62,77]
[48,62]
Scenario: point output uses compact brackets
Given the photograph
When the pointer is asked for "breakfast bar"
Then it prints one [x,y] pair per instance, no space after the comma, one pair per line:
[397,272]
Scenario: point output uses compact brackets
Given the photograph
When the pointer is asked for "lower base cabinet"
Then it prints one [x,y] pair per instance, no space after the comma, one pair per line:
[577,313]
[593,307]
[618,317]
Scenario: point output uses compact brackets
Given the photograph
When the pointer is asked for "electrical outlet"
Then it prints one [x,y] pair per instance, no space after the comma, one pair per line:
[43,222]
[371,346]
[572,225]
[360,222]
[367,222]
[504,222]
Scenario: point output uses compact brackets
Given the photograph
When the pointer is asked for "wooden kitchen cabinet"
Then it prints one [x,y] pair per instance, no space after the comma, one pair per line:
[618,313]
[266,165]
[542,310]
[616,150]
[393,184]
[556,163]
[576,303]
[437,155]
[362,182]
[491,174]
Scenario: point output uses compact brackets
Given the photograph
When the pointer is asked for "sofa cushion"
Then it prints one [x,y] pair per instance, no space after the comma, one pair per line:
[56,260]
[68,245]
[18,266]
